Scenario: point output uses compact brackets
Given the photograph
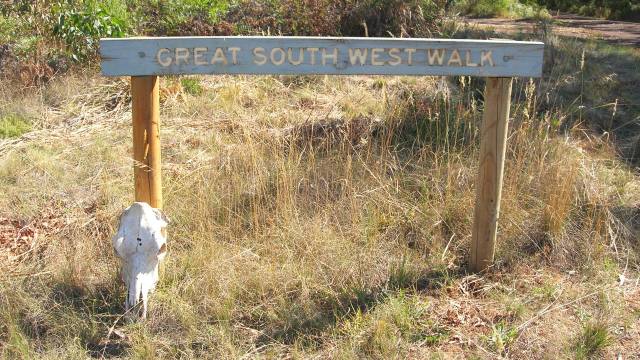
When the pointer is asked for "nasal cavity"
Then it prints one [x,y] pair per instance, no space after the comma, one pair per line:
[139,241]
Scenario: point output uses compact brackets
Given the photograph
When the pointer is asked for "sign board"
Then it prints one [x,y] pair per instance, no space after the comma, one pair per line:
[144,59]
[314,55]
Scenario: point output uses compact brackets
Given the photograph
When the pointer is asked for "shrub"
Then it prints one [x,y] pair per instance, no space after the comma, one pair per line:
[502,8]
[81,28]
[8,26]
[338,18]
[391,17]
[487,7]
[181,17]
[191,86]
[13,125]
[593,339]
[610,9]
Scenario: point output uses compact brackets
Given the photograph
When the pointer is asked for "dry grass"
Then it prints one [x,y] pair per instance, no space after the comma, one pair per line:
[315,217]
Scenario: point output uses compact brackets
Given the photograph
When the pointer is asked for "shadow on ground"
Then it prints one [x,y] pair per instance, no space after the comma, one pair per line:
[587,84]
[357,301]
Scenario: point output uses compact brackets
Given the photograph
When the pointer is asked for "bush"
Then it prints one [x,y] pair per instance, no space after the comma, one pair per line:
[337,18]
[385,18]
[81,28]
[610,9]
[12,126]
[8,26]
[191,86]
[181,17]
[50,36]
[593,339]
[502,8]
[484,8]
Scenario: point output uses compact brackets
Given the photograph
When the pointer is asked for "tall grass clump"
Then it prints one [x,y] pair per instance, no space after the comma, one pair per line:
[608,9]
[501,8]
[594,337]
[13,125]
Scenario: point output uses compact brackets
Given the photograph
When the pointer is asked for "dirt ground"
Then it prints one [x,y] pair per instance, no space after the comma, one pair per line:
[619,32]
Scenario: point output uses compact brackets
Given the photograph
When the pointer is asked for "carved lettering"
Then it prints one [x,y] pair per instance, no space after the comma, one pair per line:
[375,53]
[182,54]
[468,61]
[410,52]
[395,55]
[164,61]
[277,56]
[259,57]
[312,54]
[333,55]
[300,58]
[219,56]
[363,56]
[436,56]
[198,56]
[486,56]
[359,55]
[455,58]
[234,54]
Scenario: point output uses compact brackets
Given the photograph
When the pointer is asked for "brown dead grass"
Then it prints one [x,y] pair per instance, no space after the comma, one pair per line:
[316,217]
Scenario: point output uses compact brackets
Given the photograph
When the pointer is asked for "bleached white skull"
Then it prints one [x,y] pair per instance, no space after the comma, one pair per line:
[141,244]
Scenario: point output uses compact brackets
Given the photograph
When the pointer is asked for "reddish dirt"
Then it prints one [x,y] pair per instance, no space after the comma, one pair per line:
[16,238]
[619,32]
[19,239]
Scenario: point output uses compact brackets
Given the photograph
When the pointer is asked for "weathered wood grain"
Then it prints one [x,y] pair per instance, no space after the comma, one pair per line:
[145,108]
[493,143]
[315,55]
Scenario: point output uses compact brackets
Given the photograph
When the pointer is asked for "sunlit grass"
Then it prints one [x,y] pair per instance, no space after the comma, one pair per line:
[316,217]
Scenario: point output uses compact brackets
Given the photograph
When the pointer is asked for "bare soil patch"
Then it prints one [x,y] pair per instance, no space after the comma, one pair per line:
[20,239]
[619,32]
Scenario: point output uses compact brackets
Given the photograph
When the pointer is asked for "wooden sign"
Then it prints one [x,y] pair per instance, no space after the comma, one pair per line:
[144,59]
[310,55]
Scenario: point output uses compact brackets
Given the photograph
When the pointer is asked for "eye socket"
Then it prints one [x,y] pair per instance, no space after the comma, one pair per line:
[163,249]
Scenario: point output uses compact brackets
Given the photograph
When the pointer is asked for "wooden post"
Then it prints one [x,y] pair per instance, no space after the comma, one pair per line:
[493,140]
[145,108]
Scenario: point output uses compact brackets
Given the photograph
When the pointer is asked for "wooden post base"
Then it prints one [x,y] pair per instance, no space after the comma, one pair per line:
[145,107]
[493,142]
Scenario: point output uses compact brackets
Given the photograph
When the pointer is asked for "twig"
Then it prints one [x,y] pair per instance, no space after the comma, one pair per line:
[548,309]
[447,247]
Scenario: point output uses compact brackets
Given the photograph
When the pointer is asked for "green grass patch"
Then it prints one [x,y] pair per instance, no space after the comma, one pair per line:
[8,26]
[609,9]
[191,86]
[593,339]
[13,125]
[501,8]
[502,335]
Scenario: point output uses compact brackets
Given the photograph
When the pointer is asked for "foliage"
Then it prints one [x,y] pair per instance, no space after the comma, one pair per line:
[609,9]
[592,340]
[489,7]
[502,336]
[13,125]
[191,85]
[346,18]
[49,33]
[180,17]
[8,26]
[80,27]
[500,8]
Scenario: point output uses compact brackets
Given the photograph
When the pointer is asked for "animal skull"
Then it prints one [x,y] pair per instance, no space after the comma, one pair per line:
[141,244]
